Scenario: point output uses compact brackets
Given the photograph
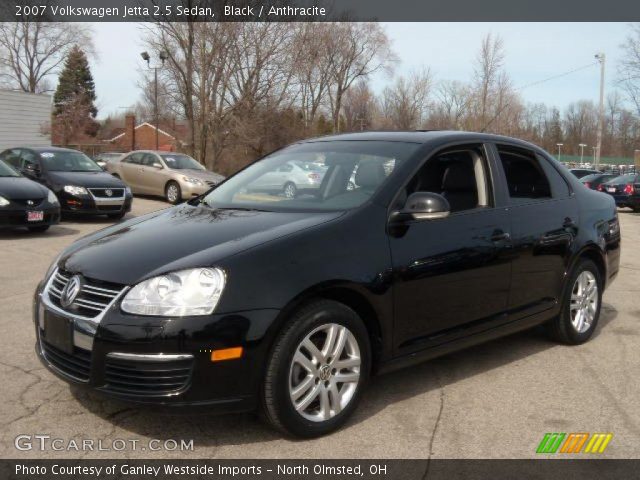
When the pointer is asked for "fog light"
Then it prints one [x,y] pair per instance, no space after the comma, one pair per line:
[226,354]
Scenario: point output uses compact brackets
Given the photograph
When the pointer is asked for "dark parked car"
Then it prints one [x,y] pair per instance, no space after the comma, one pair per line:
[237,301]
[81,186]
[625,189]
[595,181]
[583,172]
[24,203]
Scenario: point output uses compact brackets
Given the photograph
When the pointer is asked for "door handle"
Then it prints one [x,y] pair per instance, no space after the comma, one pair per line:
[500,236]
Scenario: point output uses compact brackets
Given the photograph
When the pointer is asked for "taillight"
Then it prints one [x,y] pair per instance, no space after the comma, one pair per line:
[628,189]
[314,176]
[587,184]
[600,188]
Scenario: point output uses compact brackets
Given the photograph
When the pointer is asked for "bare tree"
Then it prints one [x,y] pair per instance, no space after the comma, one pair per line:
[32,51]
[359,107]
[488,70]
[404,104]
[358,50]
[452,106]
[629,67]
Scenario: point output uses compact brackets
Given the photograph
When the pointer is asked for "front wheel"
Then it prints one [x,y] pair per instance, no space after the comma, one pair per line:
[581,305]
[172,193]
[290,190]
[317,370]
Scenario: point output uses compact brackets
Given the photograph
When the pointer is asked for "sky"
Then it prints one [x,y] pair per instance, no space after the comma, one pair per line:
[534,52]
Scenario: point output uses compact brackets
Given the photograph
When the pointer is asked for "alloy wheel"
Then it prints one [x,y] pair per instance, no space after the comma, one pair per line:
[172,193]
[324,372]
[584,301]
[290,190]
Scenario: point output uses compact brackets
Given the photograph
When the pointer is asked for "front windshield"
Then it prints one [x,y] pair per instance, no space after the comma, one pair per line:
[7,171]
[181,162]
[61,161]
[332,175]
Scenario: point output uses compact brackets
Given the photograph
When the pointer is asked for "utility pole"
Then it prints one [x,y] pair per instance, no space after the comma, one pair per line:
[601,58]
[147,58]
[559,151]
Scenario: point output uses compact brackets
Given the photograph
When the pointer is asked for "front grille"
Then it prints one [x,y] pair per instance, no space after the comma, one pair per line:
[138,377]
[25,202]
[102,192]
[93,299]
[76,365]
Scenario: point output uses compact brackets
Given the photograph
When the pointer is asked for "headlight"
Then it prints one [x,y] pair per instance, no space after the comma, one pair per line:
[187,292]
[127,190]
[194,181]
[73,190]
[3,202]
[51,198]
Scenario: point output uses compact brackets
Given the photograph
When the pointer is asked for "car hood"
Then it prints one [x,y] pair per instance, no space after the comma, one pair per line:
[86,179]
[21,188]
[181,237]
[202,175]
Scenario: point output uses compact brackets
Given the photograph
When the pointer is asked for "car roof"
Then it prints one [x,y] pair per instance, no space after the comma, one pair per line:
[49,149]
[158,152]
[420,136]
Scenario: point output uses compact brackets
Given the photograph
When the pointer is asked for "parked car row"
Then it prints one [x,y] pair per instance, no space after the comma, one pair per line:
[39,184]
[625,189]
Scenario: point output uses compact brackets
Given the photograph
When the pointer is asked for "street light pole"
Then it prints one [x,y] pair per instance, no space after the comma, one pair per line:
[582,145]
[147,58]
[559,151]
[601,58]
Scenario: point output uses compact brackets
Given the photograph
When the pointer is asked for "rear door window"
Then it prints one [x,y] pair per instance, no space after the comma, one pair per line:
[526,178]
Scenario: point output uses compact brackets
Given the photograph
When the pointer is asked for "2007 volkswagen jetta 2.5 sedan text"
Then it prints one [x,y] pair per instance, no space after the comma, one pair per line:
[413,245]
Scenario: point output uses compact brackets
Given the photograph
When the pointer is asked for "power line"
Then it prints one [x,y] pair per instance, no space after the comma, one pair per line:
[538,82]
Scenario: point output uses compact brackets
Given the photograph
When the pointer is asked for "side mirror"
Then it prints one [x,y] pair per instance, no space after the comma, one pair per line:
[32,169]
[425,206]
[157,165]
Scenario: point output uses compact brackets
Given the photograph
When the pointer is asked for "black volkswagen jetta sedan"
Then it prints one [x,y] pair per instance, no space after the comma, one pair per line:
[82,187]
[239,301]
[24,203]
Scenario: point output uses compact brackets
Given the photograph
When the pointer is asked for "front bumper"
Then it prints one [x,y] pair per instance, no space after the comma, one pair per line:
[17,217]
[88,204]
[189,190]
[160,361]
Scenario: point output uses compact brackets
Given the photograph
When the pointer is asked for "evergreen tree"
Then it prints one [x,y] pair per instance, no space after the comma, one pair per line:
[75,85]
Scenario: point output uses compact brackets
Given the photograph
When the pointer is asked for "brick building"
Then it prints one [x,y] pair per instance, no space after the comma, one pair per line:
[143,137]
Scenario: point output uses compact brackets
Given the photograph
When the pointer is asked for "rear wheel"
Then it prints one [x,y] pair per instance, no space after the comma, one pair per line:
[317,370]
[172,193]
[39,228]
[581,305]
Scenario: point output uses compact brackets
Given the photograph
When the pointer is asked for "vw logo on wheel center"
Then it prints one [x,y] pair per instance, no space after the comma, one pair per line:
[71,291]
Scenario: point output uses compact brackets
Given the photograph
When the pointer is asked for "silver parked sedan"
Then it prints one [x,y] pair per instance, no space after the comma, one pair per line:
[290,179]
[175,176]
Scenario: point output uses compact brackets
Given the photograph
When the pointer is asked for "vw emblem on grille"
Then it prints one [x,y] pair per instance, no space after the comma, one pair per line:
[108,192]
[29,202]
[71,291]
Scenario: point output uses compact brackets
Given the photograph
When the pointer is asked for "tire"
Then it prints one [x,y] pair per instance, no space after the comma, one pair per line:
[290,190]
[284,375]
[116,216]
[566,326]
[173,193]
[39,228]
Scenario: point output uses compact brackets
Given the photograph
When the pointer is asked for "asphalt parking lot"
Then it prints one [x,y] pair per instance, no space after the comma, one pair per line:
[492,401]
